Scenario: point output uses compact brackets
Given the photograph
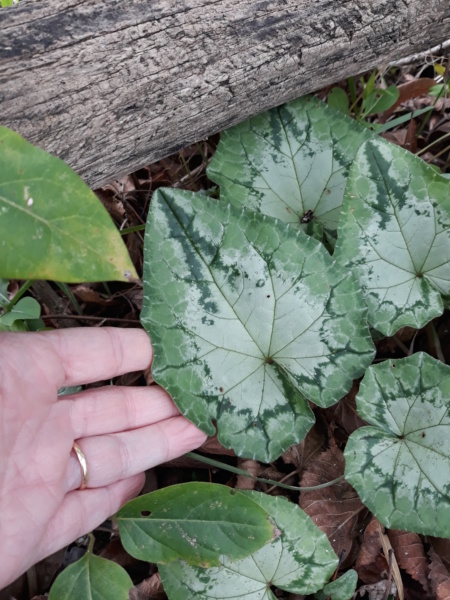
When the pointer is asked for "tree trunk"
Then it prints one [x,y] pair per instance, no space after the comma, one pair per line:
[112,85]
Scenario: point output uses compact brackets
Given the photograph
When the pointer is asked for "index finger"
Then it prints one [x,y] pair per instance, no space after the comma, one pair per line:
[90,354]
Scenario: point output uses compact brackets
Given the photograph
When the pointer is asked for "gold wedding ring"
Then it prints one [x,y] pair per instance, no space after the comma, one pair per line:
[83,464]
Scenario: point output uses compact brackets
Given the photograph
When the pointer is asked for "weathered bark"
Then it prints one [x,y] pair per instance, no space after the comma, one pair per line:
[109,85]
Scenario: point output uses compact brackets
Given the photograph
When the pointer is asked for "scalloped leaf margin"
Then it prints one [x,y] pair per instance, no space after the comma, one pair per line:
[248,318]
[400,464]
[394,233]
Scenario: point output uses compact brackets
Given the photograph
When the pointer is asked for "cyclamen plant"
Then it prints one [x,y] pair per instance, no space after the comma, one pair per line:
[324,238]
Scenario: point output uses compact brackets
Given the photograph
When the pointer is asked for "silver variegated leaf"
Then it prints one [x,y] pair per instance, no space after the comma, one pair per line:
[290,162]
[394,233]
[400,465]
[249,319]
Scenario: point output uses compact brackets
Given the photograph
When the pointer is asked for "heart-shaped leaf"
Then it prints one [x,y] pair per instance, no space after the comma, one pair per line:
[92,577]
[394,233]
[342,588]
[52,226]
[399,466]
[290,162]
[198,522]
[300,561]
[249,318]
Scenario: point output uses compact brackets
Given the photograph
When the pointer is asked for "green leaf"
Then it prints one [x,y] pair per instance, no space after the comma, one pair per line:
[288,161]
[4,299]
[94,578]
[249,319]
[394,233]
[199,522]
[300,561]
[26,308]
[338,100]
[380,100]
[342,588]
[400,464]
[52,225]
[382,127]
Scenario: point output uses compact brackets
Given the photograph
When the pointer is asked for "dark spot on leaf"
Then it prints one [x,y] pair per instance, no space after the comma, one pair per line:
[232,492]
[423,434]
[268,360]
[145,513]
[307,217]
[268,296]
[221,389]
[420,275]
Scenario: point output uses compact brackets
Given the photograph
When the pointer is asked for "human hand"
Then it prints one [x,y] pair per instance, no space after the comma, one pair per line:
[122,431]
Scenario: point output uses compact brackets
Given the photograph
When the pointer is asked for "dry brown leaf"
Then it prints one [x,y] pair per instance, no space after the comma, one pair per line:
[336,510]
[149,589]
[301,454]
[371,565]
[344,412]
[410,555]
[442,548]
[411,89]
[377,591]
[213,446]
[443,590]
[437,571]
[85,293]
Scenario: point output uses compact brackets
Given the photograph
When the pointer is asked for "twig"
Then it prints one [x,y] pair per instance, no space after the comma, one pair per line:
[420,56]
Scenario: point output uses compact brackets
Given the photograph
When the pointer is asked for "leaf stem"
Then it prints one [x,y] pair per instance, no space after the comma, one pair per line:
[23,288]
[220,465]
[132,229]
[434,342]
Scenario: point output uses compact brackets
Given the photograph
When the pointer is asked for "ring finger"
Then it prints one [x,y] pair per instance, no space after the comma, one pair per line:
[116,456]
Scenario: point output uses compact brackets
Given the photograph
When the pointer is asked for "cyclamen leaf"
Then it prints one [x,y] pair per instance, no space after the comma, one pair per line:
[394,233]
[249,319]
[198,522]
[92,577]
[342,588]
[52,226]
[300,561]
[288,161]
[399,466]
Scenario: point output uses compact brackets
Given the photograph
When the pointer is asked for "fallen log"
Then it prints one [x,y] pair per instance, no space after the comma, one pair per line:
[110,86]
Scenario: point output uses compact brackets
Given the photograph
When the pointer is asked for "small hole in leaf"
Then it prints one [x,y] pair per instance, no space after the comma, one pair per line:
[145,513]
